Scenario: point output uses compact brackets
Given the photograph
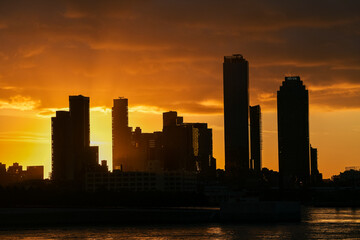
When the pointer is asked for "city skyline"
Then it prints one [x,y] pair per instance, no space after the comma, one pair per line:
[171,60]
[106,111]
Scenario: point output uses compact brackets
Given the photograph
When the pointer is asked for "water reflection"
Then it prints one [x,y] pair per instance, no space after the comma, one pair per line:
[318,223]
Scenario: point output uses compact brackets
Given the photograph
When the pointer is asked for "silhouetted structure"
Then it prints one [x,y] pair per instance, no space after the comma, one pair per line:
[34,173]
[121,134]
[255,137]
[179,147]
[79,112]
[92,157]
[293,132]
[2,168]
[72,155]
[147,151]
[203,149]
[178,144]
[139,151]
[15,174]
[63,166]
[349,178]
[187,146]
[236,107]
[316,177]
[119,181]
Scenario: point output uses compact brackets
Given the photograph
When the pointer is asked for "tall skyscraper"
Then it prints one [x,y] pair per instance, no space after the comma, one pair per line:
[293,132]
[121,134]
[80,112]
[255,137]
[63,168]
[236,108]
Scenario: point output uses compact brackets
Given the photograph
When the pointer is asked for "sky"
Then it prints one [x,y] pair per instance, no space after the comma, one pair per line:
[168,55]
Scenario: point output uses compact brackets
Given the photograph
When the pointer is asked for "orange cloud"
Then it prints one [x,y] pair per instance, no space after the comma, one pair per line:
[20,103]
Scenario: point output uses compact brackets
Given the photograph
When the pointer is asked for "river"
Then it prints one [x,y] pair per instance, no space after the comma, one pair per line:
[317,223]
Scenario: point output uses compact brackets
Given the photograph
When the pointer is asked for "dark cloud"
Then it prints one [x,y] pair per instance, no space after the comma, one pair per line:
[169,53]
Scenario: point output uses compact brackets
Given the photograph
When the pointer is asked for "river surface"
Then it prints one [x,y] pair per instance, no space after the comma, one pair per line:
[317,223]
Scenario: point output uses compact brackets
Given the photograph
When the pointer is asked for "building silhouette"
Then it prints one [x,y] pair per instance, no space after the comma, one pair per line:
[187,146]
[203,149]
[179,147]
[142,151]
[178,144]
[255,137]
[236,107]
[121,134]
[316,176]
[63,165]
[72,155]
[293,132]
[133,150]
[15,174]
[80,112]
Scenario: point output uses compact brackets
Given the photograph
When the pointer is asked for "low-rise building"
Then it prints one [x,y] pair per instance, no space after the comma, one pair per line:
[141,181]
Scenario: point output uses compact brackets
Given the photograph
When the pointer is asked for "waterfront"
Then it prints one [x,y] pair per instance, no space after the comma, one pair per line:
[317,223]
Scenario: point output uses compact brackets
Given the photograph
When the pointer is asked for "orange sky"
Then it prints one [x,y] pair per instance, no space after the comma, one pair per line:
[167,55]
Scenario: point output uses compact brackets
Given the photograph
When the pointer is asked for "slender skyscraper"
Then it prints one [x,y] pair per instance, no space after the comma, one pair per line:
[293,132]
[236,108]
[255,137]
[121,134]
[79,113]
[62,147]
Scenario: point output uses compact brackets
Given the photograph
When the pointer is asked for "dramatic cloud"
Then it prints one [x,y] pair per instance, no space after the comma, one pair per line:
[168,54]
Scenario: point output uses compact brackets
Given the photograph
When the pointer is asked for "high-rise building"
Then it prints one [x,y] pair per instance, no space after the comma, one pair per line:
[203,149]
[121,134]
[79,113]
[178,144]
[255,137]
[236,108]
[293,132]
[63,165]
[187,146]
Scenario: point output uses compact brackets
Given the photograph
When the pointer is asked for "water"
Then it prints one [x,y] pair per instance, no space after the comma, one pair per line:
[317,223]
